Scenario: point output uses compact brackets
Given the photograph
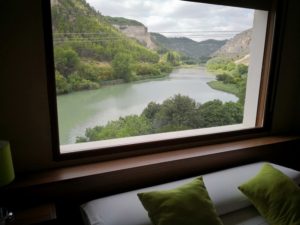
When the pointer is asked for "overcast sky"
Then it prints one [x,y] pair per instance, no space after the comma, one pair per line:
[180,18]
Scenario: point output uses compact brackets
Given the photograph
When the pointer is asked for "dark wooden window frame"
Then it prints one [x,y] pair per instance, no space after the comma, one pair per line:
[273,46]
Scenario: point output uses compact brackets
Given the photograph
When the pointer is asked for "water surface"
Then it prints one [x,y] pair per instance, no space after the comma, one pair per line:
[80,110]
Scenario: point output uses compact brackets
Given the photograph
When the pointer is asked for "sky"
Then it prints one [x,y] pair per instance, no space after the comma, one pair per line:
[175,18]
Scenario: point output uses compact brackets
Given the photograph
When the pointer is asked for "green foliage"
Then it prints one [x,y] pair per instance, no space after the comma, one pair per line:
[151,110]
[229,87]
[225,78]
[66,60]
[174,114]
[82,36]
[173,58]
[164,67]
[89,72]
[219,64]
[132,125]
[188,47]
[146,69]
[215,113]
[62,85]
[122,66]
[240,70]
[78,83]
[231,77]
[122,21]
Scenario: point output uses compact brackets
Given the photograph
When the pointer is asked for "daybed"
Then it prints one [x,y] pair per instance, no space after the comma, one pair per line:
[231,205]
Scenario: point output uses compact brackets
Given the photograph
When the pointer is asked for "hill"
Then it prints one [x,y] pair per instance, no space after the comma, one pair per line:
[90,52]
[121,21]
[188,46]
[133,29]
[156,41]
[237,47]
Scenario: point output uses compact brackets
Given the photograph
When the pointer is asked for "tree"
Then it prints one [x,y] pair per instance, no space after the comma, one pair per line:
[225,78]
[132,125]
[62,85]
[122,66]
[215,113]
[78,83]
[173,58]
[176,113]
[210,114]
[66,60]
[150,111]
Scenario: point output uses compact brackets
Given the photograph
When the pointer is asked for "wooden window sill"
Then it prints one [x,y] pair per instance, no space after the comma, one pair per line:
[93,169]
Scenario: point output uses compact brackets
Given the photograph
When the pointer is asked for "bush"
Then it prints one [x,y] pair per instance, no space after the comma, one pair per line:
[88,72]
[66,60]
[122,66]
[227,79]
[142,69]
[62,85]
[78,83]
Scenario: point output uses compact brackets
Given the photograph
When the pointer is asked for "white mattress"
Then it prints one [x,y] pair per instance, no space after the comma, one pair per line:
[233,207]
[245,216]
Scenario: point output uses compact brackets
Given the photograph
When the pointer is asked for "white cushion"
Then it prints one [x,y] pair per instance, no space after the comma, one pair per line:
[126,209]
[222,185]
[245,216]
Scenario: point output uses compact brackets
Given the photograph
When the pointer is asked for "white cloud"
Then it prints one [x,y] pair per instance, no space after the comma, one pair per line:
[180,16]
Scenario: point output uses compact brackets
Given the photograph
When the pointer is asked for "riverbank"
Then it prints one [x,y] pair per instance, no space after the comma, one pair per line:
[228,88]
[135,79]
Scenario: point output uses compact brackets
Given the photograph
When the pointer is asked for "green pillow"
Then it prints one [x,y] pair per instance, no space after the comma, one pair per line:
[275,196]
[188,204]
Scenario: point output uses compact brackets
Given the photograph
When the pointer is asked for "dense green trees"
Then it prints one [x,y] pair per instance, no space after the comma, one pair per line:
[132,125]
[230,77]
[88,49]
[122,68]
[66,60]
[174,114]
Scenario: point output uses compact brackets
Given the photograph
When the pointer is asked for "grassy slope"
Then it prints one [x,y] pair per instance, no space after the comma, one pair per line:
[229,88]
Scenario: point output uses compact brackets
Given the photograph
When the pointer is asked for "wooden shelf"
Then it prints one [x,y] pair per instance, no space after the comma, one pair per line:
[35,215]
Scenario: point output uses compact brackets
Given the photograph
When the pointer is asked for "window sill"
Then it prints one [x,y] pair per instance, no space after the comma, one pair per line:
[155,161]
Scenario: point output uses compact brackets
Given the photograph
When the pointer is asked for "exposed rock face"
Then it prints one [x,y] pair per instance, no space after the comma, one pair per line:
[140,33]
[237,47]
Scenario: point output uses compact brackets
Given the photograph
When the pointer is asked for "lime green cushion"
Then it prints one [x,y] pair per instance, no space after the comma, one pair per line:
[275,196]
[188,204]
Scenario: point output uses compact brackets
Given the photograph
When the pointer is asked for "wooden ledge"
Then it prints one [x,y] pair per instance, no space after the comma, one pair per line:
[82,171]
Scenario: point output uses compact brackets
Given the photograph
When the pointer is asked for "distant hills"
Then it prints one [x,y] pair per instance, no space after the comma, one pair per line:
[76,21]
[188,46]
[236,48]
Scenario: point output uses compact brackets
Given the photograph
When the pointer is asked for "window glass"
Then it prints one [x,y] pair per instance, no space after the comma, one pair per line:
[131,71]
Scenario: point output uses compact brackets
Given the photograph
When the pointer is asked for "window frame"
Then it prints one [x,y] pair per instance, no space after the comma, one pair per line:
[270,69]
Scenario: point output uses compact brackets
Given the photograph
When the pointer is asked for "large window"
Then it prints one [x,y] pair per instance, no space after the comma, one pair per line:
[132,72]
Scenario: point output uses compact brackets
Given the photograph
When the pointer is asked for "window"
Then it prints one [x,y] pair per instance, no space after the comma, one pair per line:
[135,73]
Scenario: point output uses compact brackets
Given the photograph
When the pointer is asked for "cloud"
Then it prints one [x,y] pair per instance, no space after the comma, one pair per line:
[169,16]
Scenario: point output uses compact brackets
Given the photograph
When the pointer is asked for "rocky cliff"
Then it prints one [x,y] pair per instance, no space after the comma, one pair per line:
[237,47]
[138,32]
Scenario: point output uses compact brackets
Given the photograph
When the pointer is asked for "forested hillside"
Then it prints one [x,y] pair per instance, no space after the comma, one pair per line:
[190,48]
[90,52]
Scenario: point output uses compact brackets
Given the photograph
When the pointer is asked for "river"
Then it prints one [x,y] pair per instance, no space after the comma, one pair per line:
[80,110]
